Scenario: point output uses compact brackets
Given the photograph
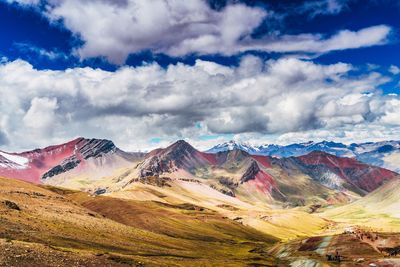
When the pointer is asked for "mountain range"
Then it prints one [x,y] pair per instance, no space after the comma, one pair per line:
[96,165]
[384,154]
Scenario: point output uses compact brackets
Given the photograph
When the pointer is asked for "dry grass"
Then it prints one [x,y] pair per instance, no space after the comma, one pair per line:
[121,232]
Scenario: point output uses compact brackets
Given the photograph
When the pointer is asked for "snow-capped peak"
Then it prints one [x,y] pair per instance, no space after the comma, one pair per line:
[232,145]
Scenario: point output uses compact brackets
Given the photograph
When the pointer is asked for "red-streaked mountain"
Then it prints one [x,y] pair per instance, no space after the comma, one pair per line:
[79,154]
[179,155]
[358,175]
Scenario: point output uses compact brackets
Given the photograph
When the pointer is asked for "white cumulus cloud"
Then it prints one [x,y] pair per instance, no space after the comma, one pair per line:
[283,97]
[394,69]
[41,114]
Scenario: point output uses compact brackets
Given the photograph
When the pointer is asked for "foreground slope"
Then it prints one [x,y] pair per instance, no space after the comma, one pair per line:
[81,230]
[281,223]
[356,247]
[363,233]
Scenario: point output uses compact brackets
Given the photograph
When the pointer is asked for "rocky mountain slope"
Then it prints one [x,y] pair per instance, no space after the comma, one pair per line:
[75,157]
[314,178]
[357,175]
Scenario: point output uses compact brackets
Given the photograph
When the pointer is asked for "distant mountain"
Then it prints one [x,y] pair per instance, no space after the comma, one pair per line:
[232,145]
[384,154]
[285,151]
[76,157]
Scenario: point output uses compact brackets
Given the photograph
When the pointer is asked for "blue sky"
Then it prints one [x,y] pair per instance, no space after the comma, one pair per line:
[322,69]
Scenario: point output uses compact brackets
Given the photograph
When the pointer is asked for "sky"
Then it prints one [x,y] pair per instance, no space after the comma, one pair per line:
[146,73]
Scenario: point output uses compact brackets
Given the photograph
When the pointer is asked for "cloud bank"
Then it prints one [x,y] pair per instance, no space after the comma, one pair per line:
[284,98]
[115,29]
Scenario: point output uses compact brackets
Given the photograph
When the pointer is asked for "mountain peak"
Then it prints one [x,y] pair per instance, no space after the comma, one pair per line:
[179,155]
[250,172]
[94,147]
[180,146]
[234,145]
[180,142]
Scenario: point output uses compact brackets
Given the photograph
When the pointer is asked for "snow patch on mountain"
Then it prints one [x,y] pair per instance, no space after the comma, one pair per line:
[13,161]
[331,180]
[232,145]
[292,150]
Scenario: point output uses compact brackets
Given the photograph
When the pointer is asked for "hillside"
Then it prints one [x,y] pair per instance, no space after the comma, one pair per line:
[379,209]
[360,176]
[80,230]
